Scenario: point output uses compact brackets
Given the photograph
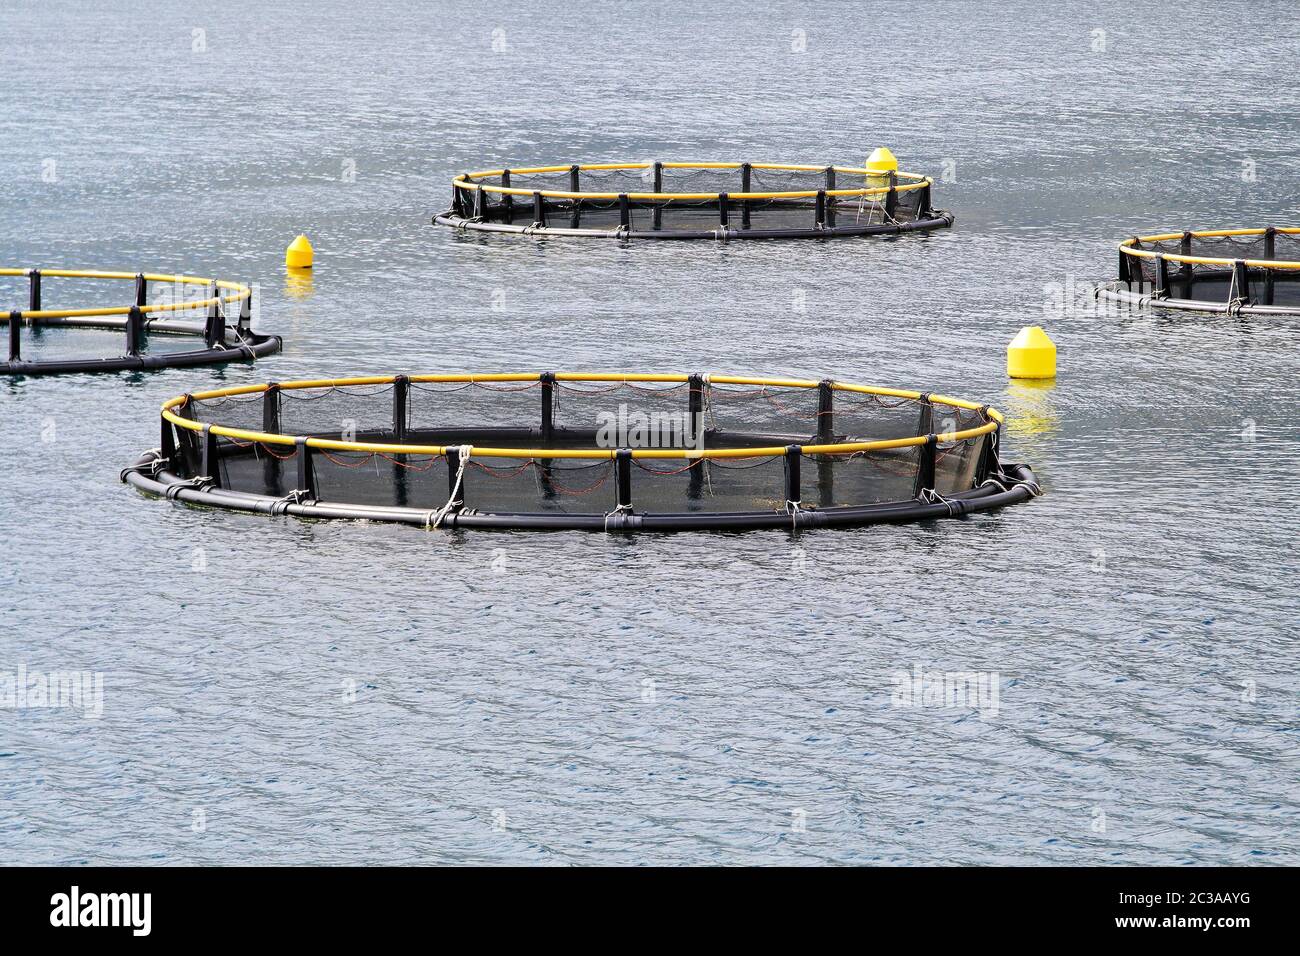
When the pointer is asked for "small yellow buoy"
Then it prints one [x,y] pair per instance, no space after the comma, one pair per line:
[880,164]
[299,254]
[1031,354]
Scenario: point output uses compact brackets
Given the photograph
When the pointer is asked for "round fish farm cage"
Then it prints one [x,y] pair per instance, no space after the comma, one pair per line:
[137,336]
[618,452]
[1233,271]
[694,201]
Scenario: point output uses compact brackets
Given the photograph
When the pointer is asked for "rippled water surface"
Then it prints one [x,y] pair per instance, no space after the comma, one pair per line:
[695,698]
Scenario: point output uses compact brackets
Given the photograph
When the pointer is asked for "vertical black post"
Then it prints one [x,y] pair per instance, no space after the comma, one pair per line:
[539,210]
[924,209]
[793,456]
[480,203]
[825,412]
[830,200]
[1162,277]
[508,200]
[34,290]
[575,186]
[141,290]
[15,342]
[724,209]
[926,424]
[624,211]
[214,329]
[891,197]
[271,409]
[210,460]
[246,313]
[134,330]
[455,495]
[1270,252]
[1185,277]
[271,425]
[167,445]
[1125,275]
[548,406]
[988,460]
[746,179]
[657,213]
[401,398]
[819,216]
[695,437]
[1241,275]
[306,470]
[925,468]
[623,478]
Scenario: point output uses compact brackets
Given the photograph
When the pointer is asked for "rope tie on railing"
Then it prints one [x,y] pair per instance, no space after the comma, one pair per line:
[454,499]
[618,510]
[931,497]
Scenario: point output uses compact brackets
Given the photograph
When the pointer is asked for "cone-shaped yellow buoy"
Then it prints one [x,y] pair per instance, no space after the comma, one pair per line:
[882,160]
[299,254]
[1031,354]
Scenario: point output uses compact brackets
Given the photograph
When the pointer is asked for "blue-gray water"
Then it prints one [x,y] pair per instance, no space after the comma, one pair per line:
[572,698]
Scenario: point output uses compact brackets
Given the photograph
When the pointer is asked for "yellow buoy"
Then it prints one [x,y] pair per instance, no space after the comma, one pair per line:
[299,254]
[1031,354]
[880,164]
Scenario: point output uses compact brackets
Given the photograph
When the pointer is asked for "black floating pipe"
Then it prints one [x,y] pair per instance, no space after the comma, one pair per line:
[401,395]
[306,470]
[548,406]
[623,473]
[135,331]
[793,458]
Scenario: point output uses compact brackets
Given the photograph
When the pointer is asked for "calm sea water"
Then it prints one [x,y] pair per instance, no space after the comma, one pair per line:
[283,692]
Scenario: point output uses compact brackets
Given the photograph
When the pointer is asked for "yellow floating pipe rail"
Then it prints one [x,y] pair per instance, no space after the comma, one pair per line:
[240,293]
[329,444]
[1127,248]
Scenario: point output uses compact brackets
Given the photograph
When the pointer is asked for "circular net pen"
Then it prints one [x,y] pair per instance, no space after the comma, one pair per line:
[1232,271]
[693,201]
[575,451]
[191,321]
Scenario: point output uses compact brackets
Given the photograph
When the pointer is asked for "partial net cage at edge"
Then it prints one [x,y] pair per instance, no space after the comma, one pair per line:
[1228,271]
[164,321]
[685,200]
[611,451]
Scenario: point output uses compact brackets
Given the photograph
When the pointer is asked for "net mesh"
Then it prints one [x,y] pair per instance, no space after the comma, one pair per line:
[585,415]
[1216,282]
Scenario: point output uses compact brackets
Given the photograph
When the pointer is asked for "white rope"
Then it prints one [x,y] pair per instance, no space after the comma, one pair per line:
[435,519]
